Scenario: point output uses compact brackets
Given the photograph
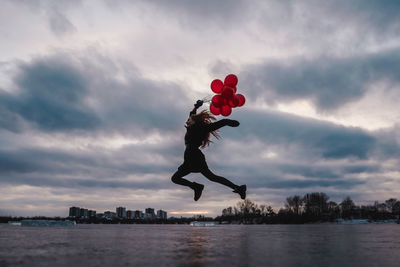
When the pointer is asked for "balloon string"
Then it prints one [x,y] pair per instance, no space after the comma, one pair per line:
[207,99]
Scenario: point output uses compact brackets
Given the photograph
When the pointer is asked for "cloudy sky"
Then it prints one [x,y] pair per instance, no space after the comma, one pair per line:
[94,96]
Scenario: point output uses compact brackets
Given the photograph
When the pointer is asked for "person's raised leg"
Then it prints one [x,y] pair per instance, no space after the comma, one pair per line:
[218,179]
[241,190]
[177,178]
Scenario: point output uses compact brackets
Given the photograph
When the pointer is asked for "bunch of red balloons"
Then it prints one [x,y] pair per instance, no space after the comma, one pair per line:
[225,96]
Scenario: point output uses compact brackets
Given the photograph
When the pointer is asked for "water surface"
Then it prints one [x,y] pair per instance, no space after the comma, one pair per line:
[183,245]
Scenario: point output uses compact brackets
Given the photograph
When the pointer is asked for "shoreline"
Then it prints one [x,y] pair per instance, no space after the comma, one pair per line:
[42,223]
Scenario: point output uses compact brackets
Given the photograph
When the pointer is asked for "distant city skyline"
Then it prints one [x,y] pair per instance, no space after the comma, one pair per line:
[120,212]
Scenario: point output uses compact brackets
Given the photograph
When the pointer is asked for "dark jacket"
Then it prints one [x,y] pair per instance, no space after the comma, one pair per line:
[194,160]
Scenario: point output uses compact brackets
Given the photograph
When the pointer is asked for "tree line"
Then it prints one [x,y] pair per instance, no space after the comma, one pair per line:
[312,207]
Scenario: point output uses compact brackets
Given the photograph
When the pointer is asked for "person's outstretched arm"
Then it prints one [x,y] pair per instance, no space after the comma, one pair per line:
[198,104]
[221,123]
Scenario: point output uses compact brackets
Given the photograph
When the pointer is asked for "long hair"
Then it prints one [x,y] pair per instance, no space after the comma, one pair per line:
[204,117]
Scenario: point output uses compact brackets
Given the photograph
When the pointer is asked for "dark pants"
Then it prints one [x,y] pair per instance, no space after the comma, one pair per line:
[177,177]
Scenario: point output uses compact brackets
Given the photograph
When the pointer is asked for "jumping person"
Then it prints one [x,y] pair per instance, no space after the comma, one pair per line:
[199,128]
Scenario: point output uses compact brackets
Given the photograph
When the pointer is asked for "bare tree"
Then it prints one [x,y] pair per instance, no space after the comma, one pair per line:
[294,204]
[315,203]
[396,209]
[347,207]
[270,211]
[332,206]
[390,203]
[227,212]
[381,207]
[246,206]
[263,209]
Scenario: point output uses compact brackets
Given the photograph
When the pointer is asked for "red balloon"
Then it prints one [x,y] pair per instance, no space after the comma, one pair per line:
[242,99]
[216,86]
[234,101]
[214,110]
[227,92]
[217,101]
[226,110]
[231,80]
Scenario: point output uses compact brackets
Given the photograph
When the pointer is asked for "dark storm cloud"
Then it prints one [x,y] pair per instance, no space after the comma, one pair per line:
[278,174]
[51,95]
[111,170]
[41,167]
[362,168]
[309,152]
[330,171]
[268,177]
[383,15]
[317,138]
[328,82]
[388,146]
[9,120]
[90,182]
[43,161]
[309,171]
[10,163]
[142,105]
[136,106]
[90,163]
[294,183]
[54,91]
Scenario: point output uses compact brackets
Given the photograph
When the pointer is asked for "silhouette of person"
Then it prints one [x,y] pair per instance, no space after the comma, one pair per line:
[199,128]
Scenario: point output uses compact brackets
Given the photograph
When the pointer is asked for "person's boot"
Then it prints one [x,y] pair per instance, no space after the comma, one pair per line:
[198,189]
[241,190]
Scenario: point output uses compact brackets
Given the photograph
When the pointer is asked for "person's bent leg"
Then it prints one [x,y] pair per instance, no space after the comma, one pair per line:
[177,178]
[218,179]
[197,188]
